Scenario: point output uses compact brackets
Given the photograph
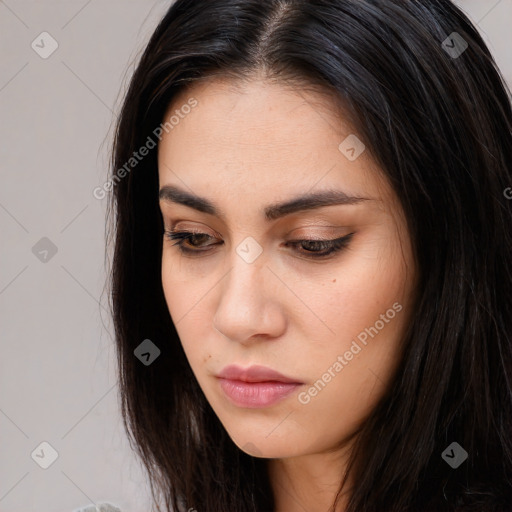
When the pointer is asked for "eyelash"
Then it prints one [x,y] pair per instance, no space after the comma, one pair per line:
[329,246]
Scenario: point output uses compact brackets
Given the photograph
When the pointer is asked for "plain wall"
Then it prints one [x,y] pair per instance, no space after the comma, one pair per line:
[58,380]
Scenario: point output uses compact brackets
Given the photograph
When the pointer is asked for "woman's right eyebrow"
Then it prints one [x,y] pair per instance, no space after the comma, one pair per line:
[310,201]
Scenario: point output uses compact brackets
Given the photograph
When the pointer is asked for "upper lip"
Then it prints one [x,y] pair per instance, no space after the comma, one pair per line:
[254,373]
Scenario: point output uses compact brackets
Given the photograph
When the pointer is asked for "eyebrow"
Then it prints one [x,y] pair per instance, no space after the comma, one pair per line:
[173,194]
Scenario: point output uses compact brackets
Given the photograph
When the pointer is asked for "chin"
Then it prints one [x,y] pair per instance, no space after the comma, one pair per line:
[268,448]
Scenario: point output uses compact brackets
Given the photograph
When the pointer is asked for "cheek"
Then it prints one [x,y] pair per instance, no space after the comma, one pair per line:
[186,304]
[177,297]
[180,288]
[354,295]
[172,289]
[363,315]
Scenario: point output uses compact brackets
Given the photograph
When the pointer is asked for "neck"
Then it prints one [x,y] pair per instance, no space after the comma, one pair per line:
[309,482]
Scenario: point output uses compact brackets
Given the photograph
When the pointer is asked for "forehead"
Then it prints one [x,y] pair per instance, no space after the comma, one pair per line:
[260,136]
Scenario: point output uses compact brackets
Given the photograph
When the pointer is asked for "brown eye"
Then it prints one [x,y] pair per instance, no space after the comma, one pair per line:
[308,248]
[322,248]
[188,237]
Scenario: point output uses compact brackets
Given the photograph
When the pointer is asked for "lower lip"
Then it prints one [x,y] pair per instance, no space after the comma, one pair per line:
[256,394]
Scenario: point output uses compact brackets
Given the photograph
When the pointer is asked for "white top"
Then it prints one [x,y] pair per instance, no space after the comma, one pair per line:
[100,507]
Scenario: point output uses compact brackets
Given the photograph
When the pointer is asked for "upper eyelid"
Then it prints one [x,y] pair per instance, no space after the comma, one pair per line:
[320,213]
[312,237]
[171,223]
[328,239]
[194,231]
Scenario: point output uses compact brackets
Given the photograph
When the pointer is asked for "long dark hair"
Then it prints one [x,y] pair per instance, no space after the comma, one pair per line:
[436,116]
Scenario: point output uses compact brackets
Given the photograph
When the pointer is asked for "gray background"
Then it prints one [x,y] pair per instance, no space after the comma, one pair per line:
[58,378]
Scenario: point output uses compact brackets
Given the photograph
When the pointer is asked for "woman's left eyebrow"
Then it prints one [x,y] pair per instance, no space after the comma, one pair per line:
[310,201]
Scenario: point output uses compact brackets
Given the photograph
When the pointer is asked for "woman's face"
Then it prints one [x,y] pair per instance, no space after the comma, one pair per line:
[246,292]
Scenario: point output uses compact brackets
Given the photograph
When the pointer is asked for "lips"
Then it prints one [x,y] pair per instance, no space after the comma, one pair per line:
[255,373]
[255,387]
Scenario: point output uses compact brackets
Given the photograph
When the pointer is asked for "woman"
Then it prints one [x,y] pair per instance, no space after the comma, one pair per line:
[311,286]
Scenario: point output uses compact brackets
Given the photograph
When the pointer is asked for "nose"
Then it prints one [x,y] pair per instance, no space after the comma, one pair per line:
[250,303]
